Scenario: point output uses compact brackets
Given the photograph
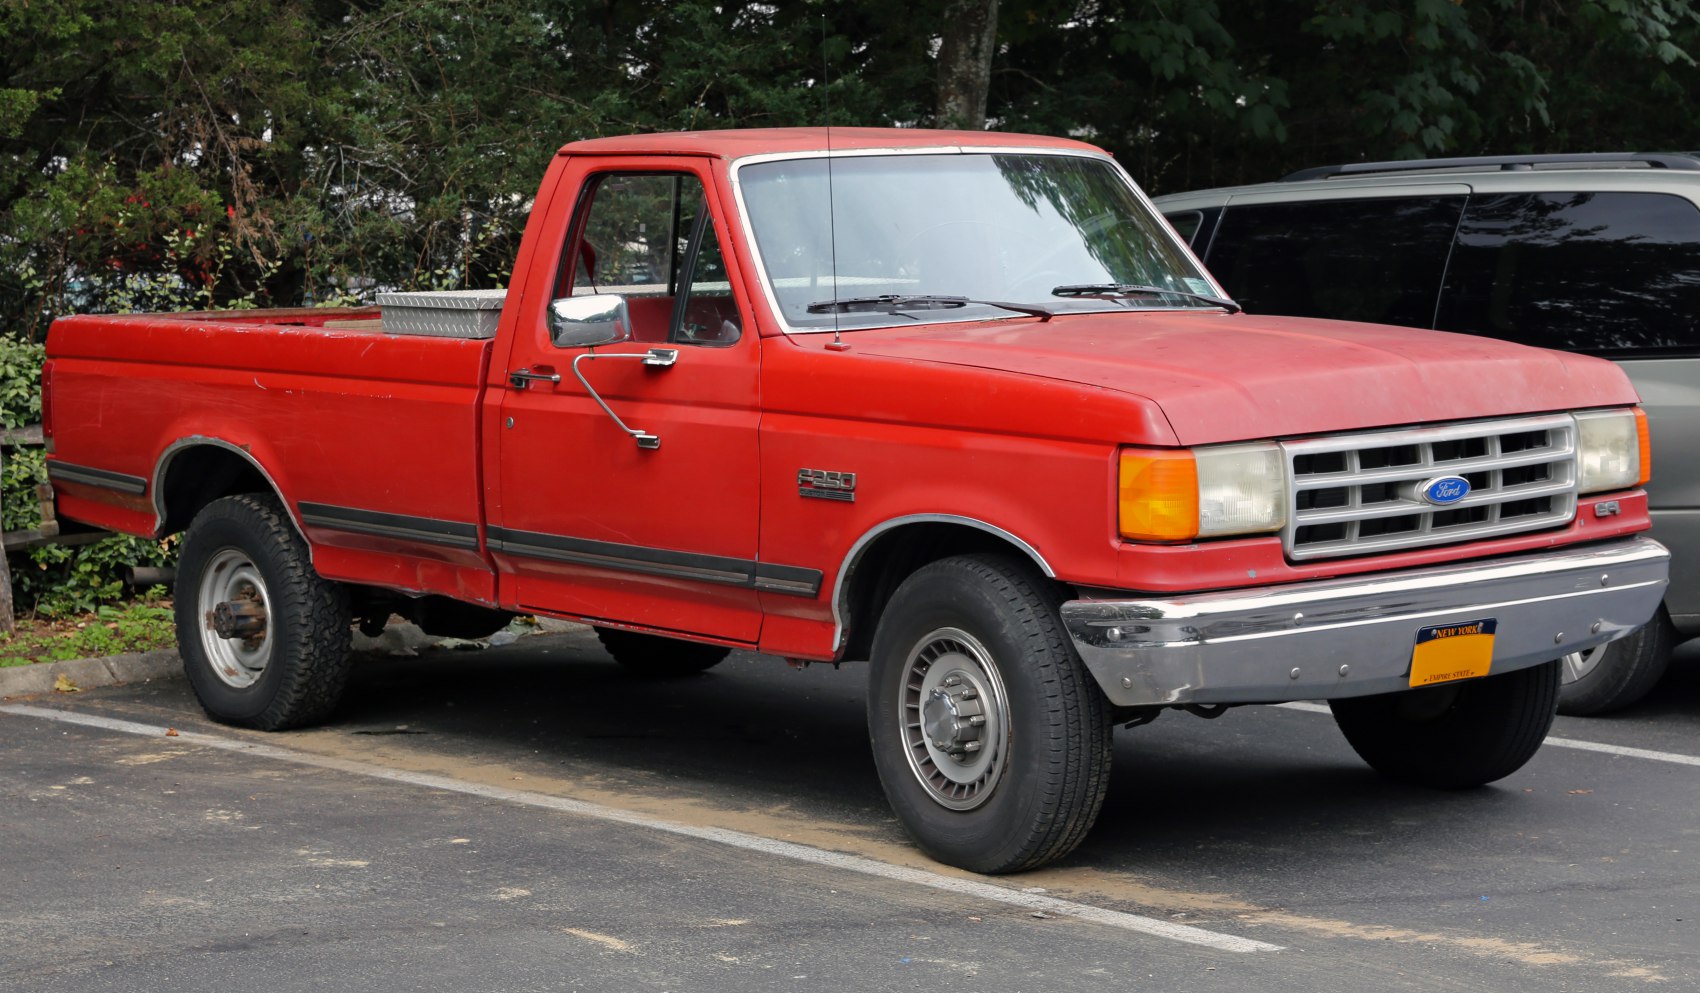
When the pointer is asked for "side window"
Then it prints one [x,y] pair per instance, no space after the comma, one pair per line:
[707,314]
[1611,274]
[649,238]
[1378,260]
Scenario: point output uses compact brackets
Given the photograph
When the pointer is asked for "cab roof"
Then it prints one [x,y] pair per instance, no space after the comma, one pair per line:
[763,141]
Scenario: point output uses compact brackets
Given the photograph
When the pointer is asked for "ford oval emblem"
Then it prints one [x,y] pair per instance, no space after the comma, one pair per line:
[1445,491]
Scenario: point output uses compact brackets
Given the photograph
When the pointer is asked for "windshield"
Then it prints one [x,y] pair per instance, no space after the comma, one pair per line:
[980,227]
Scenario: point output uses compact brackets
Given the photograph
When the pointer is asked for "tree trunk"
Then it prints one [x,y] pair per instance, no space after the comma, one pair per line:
[8,619]
[965,63]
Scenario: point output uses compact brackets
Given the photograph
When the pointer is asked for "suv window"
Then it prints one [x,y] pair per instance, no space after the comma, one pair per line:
[1612,274]
[1186,224]
[1378,260]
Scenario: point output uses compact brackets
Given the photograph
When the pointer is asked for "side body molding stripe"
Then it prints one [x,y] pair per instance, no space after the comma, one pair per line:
[431,531]
[106,479]
[719,569]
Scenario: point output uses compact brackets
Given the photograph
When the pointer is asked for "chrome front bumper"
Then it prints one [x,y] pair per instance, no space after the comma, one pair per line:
[1354,636]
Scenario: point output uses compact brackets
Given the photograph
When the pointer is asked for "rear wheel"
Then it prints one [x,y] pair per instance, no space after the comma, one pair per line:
[991,739]
[653,655]
[264,638]
[1619,673]
[1456,735]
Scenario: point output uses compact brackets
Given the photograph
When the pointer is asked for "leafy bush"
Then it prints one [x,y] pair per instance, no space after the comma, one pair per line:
[20,383]
[61,579]
[54,580]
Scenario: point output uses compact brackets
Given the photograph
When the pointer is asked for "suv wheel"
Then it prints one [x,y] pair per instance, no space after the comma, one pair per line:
[1618,673]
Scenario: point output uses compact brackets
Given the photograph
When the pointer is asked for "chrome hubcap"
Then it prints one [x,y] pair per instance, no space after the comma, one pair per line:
[955,718]
[235,613]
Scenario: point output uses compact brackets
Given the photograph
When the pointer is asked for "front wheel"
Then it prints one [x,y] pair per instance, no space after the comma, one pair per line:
[264,638]
[1456,735]
[991,740]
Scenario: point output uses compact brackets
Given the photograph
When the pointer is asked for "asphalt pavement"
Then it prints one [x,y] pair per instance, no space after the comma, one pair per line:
[530,818]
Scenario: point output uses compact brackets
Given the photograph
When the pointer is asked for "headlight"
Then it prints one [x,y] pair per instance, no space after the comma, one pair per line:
[1242,489]
[1611,450]
[1177,495]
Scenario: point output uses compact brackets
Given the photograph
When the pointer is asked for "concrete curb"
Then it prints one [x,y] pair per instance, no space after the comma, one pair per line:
[135,667]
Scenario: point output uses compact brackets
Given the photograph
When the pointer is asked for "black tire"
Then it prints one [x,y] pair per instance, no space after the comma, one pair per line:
[246,542]
[1026,794]
[653,656]
[1618,673]
[1457,735]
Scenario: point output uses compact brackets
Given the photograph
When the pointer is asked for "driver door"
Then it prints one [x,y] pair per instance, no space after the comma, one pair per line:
[592,520]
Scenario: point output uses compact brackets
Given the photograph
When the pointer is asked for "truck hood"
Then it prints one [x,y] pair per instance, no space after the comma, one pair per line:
[1220,377]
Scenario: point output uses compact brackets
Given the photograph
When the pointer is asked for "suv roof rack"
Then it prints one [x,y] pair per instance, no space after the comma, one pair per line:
[1503,163]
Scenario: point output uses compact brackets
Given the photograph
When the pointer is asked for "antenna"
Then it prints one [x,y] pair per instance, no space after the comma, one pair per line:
[837,343]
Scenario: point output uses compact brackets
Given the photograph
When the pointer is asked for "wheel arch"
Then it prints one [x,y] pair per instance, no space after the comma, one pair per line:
[194,471]
[889,552]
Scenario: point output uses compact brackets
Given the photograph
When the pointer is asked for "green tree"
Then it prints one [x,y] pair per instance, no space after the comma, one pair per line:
[147,141]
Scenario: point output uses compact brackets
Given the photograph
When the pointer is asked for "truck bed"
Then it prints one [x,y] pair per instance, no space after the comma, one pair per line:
[343,416]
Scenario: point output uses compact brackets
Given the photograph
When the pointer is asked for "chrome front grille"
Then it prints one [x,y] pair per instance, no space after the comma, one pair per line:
[1360,494]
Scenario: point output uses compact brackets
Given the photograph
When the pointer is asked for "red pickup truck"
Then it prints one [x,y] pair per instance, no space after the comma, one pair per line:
[956,404]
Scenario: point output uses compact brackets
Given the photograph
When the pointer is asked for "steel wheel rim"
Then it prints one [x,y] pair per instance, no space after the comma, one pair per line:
[231,575]
[949,679]
[1576,665]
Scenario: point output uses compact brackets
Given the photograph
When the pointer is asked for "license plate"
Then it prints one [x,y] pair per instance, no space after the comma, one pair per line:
[1446,652]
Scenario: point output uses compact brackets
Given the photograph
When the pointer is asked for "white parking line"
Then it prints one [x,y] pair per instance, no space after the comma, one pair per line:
[1625,751]
[1675,758]
[736,839]
[1307,707]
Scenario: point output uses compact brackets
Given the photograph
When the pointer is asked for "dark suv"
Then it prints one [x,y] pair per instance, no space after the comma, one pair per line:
[1595,253]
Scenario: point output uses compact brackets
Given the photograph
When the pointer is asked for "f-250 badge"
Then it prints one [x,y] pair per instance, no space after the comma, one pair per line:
[823,484]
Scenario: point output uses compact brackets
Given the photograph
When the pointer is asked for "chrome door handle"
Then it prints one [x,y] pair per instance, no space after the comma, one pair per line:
[523,378]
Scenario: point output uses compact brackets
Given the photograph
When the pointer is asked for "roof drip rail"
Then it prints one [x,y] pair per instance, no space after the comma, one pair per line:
[1503,163]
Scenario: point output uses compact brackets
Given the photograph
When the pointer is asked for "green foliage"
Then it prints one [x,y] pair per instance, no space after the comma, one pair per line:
[210,153]
[136,122]
[20,383]
[430,164]
[1208,93]
[61,580]
[25,469]
[22,469]
[139,626]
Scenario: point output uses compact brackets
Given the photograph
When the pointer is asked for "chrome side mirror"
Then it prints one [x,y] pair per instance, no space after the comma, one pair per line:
[582,322]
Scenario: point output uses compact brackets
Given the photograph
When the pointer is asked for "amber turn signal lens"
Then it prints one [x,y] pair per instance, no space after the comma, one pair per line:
[1157,495]
[1645,438]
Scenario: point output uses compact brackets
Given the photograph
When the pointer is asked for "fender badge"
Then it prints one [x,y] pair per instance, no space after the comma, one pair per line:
[823,484]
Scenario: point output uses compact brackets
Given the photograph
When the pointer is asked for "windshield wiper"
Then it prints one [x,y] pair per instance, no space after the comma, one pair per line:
[895,303]
[1138,289]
